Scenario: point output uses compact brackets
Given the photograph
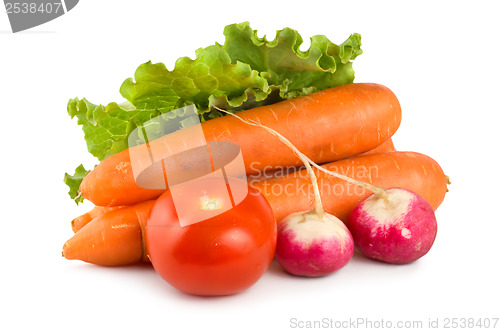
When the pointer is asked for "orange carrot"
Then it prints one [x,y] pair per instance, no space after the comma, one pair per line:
[266,174]
[410,170]
[113,238]
[116,238]
[326,125]
[387,146]
[84,219]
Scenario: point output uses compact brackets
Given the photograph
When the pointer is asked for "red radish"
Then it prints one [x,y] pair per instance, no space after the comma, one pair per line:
[392,225]
[399,227]
[310,243]
[311,246]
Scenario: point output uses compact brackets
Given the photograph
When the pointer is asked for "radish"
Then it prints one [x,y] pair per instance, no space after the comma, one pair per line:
[310,243]
[392,225]
[399,227]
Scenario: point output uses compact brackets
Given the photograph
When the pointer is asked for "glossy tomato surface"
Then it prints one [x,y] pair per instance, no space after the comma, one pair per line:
[221,255]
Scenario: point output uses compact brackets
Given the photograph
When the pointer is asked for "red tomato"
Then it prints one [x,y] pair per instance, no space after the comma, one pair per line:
[221,255]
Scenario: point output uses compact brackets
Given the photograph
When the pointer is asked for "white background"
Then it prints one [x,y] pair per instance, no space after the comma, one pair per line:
[441,60]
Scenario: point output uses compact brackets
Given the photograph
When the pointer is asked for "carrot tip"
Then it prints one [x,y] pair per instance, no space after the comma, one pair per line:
[448,182]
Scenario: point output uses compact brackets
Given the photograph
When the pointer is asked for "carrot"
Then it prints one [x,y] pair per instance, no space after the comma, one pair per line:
[327,125]
[84,219]
[113,238]
[409,170]
[387,146]
[116,238]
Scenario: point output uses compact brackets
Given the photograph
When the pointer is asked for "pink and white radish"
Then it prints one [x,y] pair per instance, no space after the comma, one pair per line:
[313,246]
[310,243]
[392,225]
[398,227]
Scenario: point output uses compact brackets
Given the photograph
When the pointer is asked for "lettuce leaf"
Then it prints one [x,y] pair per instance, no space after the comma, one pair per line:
[294,72]
[210,77]
[73,182]
[245,72]
[107,128]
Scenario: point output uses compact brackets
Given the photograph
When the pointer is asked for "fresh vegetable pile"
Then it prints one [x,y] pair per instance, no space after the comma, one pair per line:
[323,175]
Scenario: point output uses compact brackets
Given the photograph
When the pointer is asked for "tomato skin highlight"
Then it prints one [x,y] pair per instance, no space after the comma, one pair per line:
[222,255]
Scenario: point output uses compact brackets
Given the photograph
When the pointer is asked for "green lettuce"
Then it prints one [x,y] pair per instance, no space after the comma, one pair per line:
[245,72]
[73,182]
